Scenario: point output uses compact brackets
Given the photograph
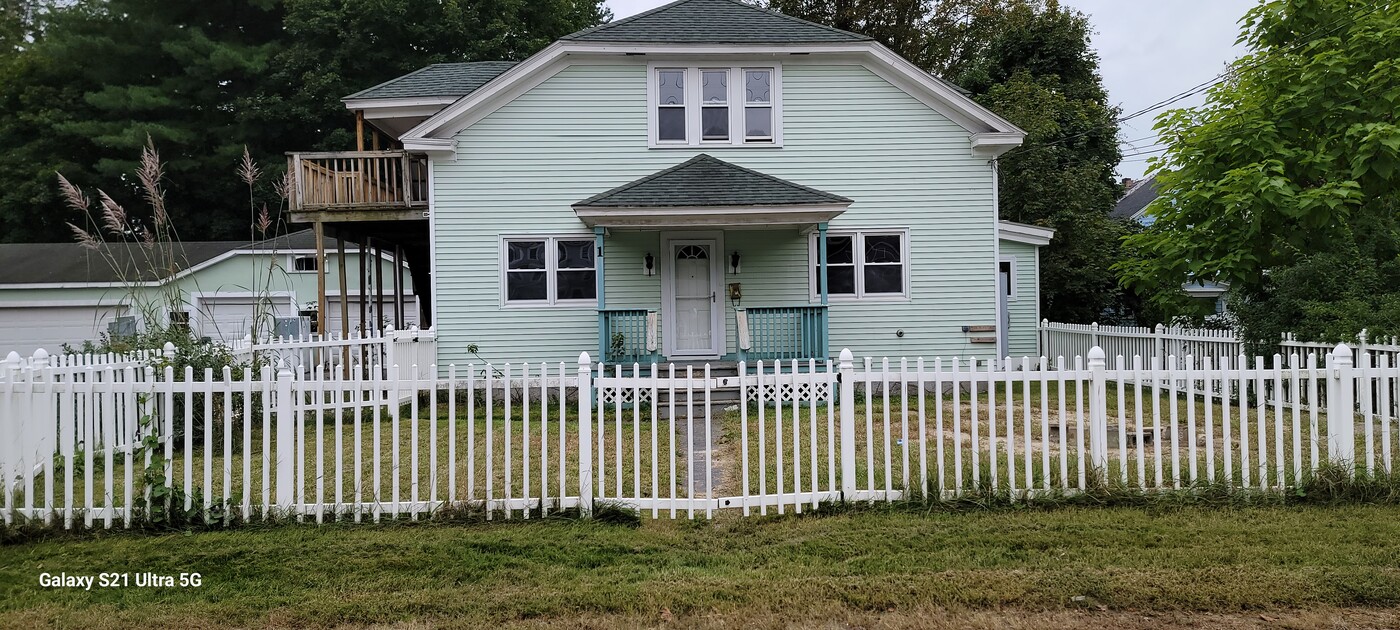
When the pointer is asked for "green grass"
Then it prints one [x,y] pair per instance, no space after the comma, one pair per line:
[853,567]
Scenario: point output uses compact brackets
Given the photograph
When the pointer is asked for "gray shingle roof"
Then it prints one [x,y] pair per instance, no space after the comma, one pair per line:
[713,22]
[1137,198]
[43,263]
[440,79]
[704,181]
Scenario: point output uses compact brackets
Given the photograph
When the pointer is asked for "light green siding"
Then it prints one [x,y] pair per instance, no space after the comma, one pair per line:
[846,131]
[1023,337]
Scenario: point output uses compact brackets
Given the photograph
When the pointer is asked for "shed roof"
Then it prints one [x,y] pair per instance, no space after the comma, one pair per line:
[71,263]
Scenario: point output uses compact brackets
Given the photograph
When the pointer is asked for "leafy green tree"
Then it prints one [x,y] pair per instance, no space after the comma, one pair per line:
[1283,184]
[1031,62]
[205,79]
[337,47]
[899,24]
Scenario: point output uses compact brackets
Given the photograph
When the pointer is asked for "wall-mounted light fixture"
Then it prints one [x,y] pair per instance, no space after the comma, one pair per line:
[649,265]
[734,263]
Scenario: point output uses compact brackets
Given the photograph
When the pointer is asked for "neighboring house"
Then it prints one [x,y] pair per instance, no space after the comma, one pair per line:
[706,180]
[1133,207]
[57,293]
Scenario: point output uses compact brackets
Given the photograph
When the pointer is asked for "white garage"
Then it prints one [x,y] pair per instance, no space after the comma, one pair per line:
[26,329]
[229,318]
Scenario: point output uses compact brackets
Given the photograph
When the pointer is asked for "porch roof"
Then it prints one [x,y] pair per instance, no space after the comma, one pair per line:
[705,191]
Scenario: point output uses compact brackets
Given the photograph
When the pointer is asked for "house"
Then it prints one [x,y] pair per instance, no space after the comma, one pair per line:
[707,180]
[1133,207]
[62,293]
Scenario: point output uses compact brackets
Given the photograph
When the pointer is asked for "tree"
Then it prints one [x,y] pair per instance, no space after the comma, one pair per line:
[1283,184]
[337,47]
[107,75]
[1031,62]
[1037,69]
[898,24]
[205,79]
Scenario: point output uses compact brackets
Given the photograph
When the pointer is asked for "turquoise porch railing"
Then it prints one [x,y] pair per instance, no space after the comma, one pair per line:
[628,336]
[783,332]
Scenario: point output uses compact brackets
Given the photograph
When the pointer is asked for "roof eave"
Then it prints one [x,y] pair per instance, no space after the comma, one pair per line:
[965,111]
[643,217]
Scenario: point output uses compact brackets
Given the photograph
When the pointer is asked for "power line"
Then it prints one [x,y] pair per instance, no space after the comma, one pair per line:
[1306,40]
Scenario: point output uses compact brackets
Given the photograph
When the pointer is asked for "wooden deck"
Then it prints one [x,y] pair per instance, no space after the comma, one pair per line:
[352,186]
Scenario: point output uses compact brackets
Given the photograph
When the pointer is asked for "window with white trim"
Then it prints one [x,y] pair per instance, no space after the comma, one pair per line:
[863,264]
[545,270]
[1007,272]
[708,105]
[304,263]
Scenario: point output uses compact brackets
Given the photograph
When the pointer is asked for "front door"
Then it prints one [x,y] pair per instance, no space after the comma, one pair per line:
[695,325]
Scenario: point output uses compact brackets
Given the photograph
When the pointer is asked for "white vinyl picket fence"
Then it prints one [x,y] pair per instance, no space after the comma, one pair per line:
[526,439]
[411,347]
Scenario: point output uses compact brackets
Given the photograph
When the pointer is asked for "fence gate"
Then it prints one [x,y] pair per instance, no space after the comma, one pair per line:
[666,446]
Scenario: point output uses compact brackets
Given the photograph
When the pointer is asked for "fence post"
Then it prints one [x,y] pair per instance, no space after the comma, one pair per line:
[1043,350]
[1098,415]
[387,337]
[585,435]
[1094,335]
[847,405]
[286,431]
[1341,429]
[1157,343]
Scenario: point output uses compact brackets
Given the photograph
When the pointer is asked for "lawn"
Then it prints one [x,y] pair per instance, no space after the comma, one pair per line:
[1070,567]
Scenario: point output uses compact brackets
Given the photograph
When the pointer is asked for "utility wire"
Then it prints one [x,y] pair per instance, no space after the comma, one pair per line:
[1220,78]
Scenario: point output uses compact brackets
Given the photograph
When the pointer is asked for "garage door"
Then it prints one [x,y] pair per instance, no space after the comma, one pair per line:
[226,319]
[410,306]
[27,329]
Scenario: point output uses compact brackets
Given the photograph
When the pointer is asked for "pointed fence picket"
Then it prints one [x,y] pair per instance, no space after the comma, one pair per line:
[522,440]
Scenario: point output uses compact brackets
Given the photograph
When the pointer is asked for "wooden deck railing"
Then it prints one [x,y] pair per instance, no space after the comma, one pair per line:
[351,180]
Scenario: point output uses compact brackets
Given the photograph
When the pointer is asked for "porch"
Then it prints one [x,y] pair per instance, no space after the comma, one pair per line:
[708,261]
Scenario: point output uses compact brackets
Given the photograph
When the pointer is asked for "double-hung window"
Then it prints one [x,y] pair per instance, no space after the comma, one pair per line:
[714,105]
[541,271]
[863,264]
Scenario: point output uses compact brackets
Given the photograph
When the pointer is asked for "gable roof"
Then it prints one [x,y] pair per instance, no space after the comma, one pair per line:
[713,22]
[453,80]
[704,181]
[1137,198]
[71,263]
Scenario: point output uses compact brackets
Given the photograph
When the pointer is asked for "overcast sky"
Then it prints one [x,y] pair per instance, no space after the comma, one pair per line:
[1150,50]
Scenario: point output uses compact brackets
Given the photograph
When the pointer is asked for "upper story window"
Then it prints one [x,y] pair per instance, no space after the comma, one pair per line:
[714,105]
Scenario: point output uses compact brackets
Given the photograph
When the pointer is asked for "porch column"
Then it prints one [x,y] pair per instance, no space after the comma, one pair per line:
[822,287]
[602,297]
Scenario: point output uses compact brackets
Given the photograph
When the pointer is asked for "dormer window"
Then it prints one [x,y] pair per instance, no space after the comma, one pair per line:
[693,106]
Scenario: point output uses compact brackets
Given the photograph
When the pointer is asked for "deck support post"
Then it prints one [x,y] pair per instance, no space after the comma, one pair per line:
[320,229]
[378,311]
[364,293]
[359,130]
[398,288]
[344,299]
